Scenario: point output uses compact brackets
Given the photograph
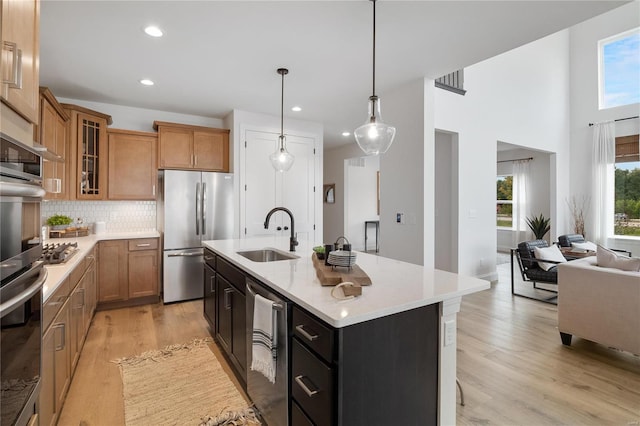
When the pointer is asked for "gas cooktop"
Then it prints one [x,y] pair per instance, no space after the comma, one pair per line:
[57,253]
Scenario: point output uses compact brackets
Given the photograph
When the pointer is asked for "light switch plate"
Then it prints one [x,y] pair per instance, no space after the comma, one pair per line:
[449,332]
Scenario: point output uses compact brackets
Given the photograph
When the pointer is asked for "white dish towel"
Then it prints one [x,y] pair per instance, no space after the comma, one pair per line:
[265,344]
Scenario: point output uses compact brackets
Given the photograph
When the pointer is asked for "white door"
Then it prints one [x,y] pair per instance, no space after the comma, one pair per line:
[265,188]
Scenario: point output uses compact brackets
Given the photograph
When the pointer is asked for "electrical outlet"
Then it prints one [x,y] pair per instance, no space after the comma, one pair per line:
[449,332]
[400,218]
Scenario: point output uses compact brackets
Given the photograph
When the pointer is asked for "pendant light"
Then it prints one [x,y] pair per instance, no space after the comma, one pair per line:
[282,160]
[374,137]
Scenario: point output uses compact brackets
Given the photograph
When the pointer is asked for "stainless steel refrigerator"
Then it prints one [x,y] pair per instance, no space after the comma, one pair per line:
[193,207]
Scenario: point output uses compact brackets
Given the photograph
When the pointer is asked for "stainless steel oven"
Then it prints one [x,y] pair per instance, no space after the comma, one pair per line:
[22,276]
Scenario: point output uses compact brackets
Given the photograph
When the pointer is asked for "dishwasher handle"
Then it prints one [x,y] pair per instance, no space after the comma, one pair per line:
[277,306]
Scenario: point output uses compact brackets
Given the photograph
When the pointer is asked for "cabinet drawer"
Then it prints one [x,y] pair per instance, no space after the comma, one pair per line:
[234,275]
[210,259]
[54,303]
[314,334]
[143,244]
[298,417]
[311,384]
[76,274]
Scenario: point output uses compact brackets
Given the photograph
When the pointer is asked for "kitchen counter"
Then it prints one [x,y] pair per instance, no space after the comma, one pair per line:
[58,272]
[396,286]
[398,291]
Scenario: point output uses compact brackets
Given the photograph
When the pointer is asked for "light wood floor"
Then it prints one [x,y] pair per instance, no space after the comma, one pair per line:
[512,366]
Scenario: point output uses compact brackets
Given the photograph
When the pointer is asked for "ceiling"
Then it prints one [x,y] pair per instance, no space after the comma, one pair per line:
[217,56]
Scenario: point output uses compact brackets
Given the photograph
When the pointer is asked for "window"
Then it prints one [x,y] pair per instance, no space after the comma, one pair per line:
[619,69]
[627,186]
[504,203]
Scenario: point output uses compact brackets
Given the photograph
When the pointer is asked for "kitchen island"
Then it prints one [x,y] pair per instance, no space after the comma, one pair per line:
[403,301]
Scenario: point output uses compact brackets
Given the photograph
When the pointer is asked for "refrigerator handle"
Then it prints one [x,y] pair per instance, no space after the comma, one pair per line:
[198,208]
[203,209]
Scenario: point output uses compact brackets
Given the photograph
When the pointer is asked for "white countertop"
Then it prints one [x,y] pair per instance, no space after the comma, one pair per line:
[396,286]
[57,273]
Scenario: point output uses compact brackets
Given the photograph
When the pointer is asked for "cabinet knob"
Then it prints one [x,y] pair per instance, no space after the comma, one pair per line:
[279,228]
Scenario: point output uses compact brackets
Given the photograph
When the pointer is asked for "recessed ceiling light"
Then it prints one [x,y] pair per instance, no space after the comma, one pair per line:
[296,109]
[153,31]
[146,82]
[345,133]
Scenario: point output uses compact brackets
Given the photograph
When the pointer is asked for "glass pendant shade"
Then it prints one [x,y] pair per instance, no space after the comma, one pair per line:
[374,137]
[281,160]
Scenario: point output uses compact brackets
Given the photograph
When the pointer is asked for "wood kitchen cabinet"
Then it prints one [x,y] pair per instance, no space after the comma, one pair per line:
[67,314]
[56,365]
[88,152]
[128,272]
[19,64]
[132,167]
[52,133]
[187,147]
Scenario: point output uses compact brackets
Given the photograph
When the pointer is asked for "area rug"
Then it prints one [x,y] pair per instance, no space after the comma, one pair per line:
[181,384]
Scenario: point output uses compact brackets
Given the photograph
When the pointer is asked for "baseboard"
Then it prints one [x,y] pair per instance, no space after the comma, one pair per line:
[491,277]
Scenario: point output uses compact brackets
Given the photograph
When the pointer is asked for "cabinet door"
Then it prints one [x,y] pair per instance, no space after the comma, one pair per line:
[239,331]
[20,52]
[61,150]
[77,323]
[265,188]
[132,165]
[91,287]
[47,379]
[113,271]
[175,148]
[62,351]
[224,325]
[143,273]
[48,129]
[211,151]
[92,157]
[210,296]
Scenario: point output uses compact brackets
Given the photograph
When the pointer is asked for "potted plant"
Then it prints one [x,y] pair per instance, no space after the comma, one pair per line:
[58,221]
[539,225]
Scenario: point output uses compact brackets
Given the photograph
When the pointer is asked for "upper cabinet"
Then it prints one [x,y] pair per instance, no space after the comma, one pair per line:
[19,64]
[88,153]
[52,133]
[185,147]
[133,170]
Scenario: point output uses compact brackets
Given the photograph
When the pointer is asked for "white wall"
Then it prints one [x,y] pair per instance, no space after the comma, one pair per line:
[522,97]
[334,173]
[446,201]
[584,39]
[406,174]
[361,199]
[538,191]
[131,118]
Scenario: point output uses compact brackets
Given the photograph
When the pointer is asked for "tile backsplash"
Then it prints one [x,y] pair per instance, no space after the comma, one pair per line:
[120,216]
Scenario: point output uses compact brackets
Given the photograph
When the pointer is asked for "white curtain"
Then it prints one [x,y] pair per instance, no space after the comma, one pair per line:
[604,153]
[521,173]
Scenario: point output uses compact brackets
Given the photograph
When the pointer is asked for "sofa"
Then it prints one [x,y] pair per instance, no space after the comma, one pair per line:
[599,304]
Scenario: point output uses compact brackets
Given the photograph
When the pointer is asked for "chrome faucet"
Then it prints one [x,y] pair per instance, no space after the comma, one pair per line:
[293,241]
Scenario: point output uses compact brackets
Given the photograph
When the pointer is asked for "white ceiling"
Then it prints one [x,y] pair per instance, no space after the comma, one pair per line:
[217,56]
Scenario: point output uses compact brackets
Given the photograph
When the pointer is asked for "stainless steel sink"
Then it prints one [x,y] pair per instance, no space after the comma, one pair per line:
[267,255]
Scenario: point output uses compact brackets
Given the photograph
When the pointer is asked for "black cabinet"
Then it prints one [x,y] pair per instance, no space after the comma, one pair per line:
[210,296]
[382,371]
[225,309]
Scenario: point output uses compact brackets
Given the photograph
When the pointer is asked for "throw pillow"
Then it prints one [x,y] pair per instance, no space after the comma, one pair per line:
[548,253]
[587,245]
[609,259]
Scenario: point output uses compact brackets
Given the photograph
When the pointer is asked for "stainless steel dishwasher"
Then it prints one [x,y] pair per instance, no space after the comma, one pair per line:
[271,399]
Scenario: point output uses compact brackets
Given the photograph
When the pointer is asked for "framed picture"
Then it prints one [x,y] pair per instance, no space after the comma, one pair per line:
[329,193]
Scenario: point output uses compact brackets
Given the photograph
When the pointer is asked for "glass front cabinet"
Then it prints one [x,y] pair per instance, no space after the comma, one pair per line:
[88,149]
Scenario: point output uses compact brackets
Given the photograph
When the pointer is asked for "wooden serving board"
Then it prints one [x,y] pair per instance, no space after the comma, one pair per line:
[333,276]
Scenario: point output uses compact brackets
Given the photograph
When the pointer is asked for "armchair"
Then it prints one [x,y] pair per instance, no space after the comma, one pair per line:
[567,239]
[531,271]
